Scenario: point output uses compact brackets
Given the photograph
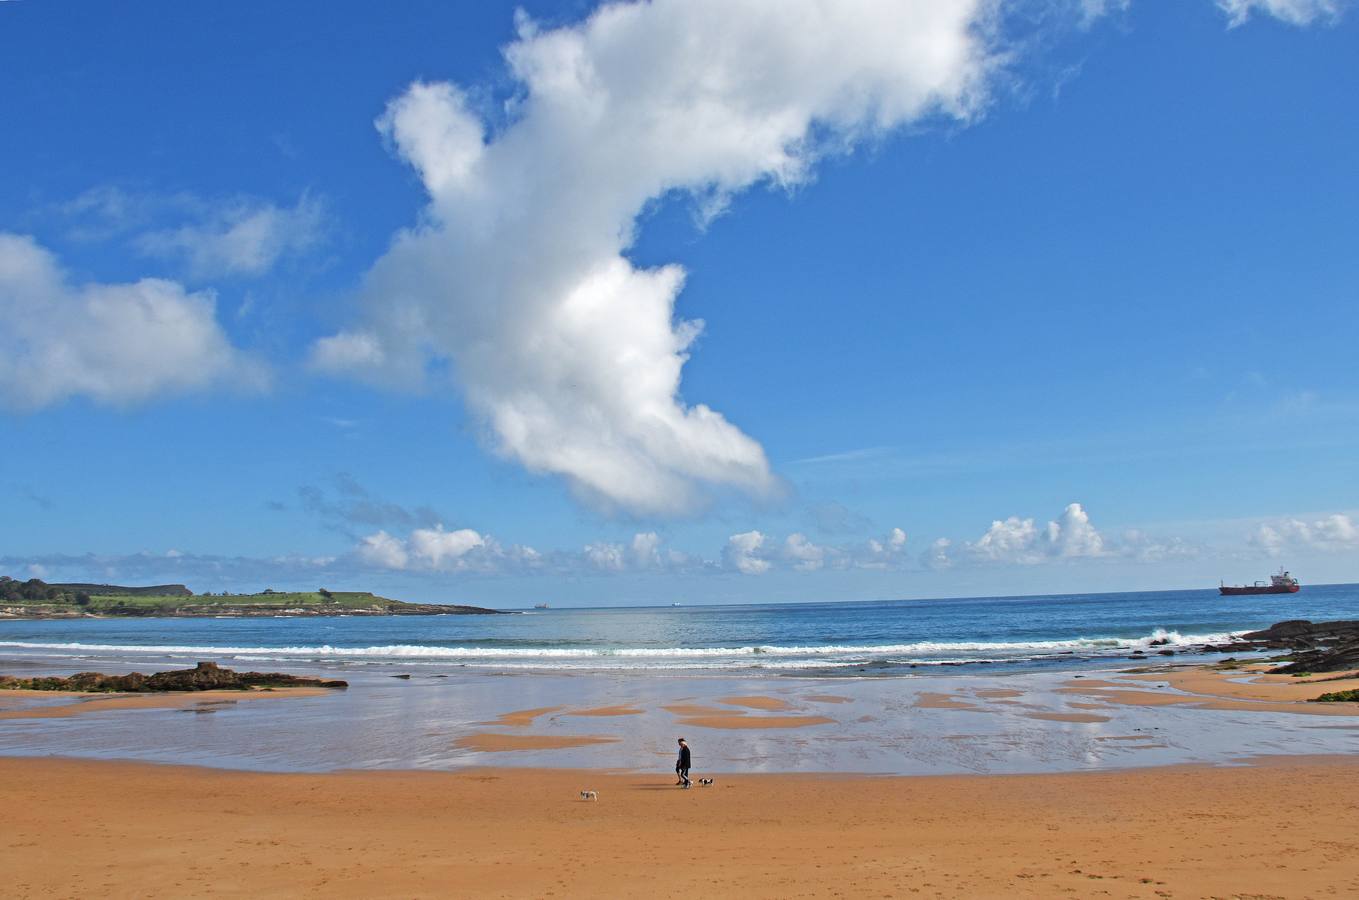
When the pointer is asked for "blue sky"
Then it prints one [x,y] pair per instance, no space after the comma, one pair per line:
[956,272]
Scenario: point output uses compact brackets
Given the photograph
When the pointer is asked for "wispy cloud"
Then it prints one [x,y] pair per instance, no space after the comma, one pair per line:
[208,237]
[1294,12]
[240,238]
[845,456]
[343,504]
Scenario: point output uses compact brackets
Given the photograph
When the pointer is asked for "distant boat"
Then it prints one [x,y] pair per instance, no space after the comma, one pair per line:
[540,606]
[674,604]
[1283,583]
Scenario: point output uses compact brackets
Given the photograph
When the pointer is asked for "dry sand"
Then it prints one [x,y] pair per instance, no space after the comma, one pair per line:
[1289,828]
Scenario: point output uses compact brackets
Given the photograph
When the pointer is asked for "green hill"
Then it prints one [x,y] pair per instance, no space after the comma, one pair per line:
[37,599]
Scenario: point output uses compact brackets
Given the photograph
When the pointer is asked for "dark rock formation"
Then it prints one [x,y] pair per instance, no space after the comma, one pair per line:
[1315,646]
[208,676]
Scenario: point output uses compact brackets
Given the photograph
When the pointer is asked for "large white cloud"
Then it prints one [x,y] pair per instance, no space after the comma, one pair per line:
[518,274]
[114,343]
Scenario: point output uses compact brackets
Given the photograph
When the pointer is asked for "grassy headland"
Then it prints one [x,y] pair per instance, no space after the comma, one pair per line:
[35,599]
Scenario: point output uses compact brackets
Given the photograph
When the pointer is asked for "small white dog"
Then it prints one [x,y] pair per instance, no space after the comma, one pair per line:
[589,795]
[706,782]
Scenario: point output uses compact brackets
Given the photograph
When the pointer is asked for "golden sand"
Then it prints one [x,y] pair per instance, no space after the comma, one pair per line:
[87,829]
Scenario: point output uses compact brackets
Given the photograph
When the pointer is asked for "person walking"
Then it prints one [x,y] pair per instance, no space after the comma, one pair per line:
[682,764]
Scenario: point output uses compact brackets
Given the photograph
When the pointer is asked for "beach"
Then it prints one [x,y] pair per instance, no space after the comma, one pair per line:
[1047,764]
[1277,828]
[510,820]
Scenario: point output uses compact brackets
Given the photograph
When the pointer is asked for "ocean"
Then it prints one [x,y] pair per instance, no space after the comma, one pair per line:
[900,637]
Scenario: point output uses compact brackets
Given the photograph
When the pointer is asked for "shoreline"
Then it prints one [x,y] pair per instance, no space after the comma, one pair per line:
[1277,827]
[1003,724]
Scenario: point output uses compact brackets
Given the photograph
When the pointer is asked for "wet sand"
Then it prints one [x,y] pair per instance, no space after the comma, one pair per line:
[738,721]
[1032,723]
[768,704]
[1249,689]
[1288,828]
[490,742]
[60,704]
[607,711]
[522,718]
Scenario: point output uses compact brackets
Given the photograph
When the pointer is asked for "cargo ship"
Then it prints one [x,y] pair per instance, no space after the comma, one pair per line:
[1283,583]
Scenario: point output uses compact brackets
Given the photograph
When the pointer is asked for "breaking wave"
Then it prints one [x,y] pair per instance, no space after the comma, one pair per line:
[764,655]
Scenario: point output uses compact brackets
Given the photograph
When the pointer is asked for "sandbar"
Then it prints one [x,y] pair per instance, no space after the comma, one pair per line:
[607,711]
[931,700]
[491,742]
[81,703]
[523,718]
[768,704]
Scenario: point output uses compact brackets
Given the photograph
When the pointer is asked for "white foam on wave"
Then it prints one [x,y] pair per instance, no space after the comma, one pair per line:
[809,656]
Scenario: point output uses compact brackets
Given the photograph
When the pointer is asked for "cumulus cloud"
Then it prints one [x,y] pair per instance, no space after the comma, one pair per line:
[645,552]
[745,553]
[805,556]
[889,551]
[938,555]
[1071,536]
[518,273]
[1019,540]
[1294,12]
[240,237]
[113,343]
[1336,532]
[383,550]
[438,550]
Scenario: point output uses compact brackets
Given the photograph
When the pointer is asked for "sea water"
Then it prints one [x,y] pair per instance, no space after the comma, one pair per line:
[901,637]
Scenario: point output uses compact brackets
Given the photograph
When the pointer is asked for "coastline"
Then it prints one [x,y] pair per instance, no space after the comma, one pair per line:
[1277,828]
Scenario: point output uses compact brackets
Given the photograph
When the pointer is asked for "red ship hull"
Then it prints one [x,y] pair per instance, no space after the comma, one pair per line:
[1261,589]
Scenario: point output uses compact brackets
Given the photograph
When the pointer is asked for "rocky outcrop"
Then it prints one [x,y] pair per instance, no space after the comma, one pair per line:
[207,676]
[1314,646]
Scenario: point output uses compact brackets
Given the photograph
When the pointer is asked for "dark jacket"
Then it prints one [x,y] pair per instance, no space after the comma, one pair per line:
[683,761]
